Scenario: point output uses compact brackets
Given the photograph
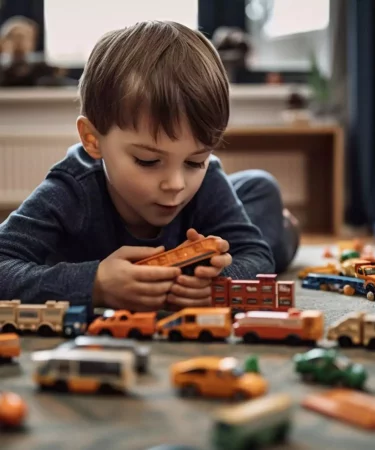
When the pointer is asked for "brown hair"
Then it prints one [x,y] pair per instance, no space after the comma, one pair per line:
[164,69]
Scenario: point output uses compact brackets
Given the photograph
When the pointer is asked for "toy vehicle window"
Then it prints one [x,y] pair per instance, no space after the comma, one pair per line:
[342,362]
[122,318]
[63,367]
[360,271]
[266,288]
[190,318]
[197,371]
[99,368]
[370,271]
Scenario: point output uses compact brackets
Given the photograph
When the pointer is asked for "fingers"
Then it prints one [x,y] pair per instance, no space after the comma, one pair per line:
[193,282]
[153,289]
[155,273]
[221,261]
[135,253]
[193,235]
[185,292]
[187,302]
[207,272]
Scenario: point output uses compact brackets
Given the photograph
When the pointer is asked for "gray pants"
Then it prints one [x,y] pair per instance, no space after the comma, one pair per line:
[260,194]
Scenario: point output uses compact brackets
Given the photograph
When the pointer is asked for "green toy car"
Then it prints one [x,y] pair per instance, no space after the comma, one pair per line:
[328,366]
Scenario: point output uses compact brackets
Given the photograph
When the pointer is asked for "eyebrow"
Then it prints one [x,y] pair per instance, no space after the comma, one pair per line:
[158,150]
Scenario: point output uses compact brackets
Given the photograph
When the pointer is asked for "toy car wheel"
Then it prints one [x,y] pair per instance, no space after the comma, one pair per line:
[251,338]
[308,377]
[135,334]
[293,339]
[345,341]
[105,333]
[61,386]
[175,336]
[189,390]
[239,396]
[205,336]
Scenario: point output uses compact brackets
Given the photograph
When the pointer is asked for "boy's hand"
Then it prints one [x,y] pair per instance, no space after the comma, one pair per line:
[119,284]
[196,291]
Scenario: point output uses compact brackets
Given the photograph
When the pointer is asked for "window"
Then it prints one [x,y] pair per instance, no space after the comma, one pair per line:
[285,301]
[236,301]
[236,287]
[251,288]
[28,314]
[267,301]
[285,32]
[70,46]
[251,301]
[219,300]
[266,288]
[218,288]
[123,318]
[190,319]
[99,368]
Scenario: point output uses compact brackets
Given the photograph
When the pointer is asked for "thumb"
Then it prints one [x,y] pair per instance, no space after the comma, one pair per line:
[137,253]
[193,235]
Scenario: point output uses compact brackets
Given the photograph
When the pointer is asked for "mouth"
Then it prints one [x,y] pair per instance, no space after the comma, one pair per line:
[167,209]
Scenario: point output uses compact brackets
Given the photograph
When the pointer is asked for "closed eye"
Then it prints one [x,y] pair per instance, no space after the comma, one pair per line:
[196,165]
[145,163]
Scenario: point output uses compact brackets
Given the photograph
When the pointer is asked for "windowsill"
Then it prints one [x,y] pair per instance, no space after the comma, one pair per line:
[70,93]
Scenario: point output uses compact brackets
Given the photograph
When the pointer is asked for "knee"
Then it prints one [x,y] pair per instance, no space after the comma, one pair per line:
[261,182]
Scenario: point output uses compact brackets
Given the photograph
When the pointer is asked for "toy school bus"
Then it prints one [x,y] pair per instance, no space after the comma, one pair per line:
[86,371]
[260,422]
[44,319]
[9,346]
[293,326]
[184,255]
[262,294]
[204,324]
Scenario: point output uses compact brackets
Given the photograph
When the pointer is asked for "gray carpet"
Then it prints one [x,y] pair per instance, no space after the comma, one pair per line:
[333,305]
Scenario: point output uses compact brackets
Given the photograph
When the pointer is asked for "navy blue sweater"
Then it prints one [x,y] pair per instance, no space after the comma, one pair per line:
[51,246]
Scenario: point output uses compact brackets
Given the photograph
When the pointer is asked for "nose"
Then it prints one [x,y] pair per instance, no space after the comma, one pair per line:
[175,182]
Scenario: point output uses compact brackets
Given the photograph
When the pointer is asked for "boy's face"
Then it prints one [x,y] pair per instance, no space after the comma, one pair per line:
[151,181]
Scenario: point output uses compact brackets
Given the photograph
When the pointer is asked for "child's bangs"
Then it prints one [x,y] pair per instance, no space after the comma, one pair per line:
[164,105]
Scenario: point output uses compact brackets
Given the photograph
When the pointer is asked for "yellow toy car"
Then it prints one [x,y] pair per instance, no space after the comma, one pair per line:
[212,376]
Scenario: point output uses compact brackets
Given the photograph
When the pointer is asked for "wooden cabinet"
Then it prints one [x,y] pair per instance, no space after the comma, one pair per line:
[308,162]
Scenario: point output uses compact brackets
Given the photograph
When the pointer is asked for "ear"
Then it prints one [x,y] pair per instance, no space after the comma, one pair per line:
[89,137]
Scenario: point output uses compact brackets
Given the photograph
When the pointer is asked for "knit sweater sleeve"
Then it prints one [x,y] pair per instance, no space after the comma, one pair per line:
[219,212]
[54,212]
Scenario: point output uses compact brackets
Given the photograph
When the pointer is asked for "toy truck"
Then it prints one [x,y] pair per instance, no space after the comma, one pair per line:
[366,272]
[75,321]
[356,328]
[293,326]
[124,324]
[204,324]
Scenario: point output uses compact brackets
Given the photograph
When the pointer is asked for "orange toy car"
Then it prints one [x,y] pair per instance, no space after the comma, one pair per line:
[124,324]
[212,376]
[12,409]
[9,346]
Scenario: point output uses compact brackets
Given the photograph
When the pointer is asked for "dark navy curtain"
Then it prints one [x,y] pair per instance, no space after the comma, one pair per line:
[217,13]
[33,9]
[361,126]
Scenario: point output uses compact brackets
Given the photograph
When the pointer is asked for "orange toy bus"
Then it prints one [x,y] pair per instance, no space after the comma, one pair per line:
[204,324]
[185,255]
[293,326]
[124,324]
[9,346]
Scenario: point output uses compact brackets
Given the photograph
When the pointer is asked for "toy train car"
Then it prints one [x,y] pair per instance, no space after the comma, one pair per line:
[262,294]
[185,255]
[52,317]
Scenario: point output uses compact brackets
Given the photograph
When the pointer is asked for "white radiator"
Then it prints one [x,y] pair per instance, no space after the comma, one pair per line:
[288,167]
[25,161]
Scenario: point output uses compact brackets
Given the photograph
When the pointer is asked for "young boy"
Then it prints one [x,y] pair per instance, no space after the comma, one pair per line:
[154,105]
